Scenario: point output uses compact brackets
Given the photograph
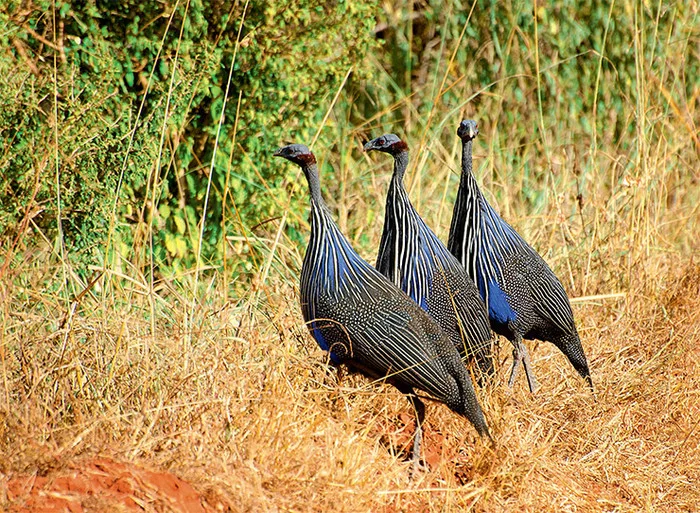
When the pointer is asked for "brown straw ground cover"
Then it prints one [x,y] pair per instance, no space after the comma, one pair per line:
[155,365]
[247,411]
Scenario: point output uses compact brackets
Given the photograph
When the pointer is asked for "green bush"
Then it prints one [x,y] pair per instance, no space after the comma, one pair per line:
[109,58]
[140,90]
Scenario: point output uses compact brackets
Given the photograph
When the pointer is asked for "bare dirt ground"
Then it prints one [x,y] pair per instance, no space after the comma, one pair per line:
[105,414]
[102,484]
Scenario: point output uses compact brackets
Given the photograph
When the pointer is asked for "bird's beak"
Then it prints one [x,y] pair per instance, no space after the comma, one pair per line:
[473,132]
[277,153]
[368,146]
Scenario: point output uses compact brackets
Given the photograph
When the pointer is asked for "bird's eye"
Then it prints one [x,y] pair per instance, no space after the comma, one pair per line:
[382,140]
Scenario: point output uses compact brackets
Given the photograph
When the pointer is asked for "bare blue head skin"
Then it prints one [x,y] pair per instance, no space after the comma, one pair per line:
[467,130]
[388,143]
[301,155]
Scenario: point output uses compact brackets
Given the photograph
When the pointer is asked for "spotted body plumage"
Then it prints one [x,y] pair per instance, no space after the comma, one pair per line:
[416,260]
[367,323]
[524,298]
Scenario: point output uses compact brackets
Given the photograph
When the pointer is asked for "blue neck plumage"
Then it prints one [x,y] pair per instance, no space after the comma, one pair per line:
[416,255]
[485,237]
[336,257]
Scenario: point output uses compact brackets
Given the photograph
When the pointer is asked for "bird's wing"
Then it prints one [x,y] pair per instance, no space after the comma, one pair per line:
[468,304]
[406,349]
[393,341]
[556,308]
[550,300]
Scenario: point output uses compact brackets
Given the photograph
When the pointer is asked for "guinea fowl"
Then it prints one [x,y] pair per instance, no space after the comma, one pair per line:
[367,323]
[524,298]
[417,262]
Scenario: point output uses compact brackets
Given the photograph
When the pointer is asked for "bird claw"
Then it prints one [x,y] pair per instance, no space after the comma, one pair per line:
[416,455]
[522,357]
[417,467]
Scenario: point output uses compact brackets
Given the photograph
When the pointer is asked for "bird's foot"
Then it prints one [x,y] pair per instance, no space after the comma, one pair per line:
[417,467]
[521,357]
[416,456]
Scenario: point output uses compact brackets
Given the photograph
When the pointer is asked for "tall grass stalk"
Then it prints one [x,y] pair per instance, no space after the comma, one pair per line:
[209,371]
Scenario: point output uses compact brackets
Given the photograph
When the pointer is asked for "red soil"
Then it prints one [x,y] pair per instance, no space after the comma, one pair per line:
[102,484]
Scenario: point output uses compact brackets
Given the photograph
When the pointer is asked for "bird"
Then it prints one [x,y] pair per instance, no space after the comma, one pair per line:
[524,298]
[368,324]
[417,261]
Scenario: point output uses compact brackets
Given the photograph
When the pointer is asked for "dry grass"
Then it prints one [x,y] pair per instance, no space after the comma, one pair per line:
[235,397]
[248,411]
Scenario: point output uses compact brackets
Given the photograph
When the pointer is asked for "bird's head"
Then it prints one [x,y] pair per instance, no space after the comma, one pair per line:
[388,143]
[297,153]
[467,130]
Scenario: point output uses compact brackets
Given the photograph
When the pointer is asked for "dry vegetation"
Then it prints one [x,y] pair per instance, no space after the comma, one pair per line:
[225,388]
[245,408]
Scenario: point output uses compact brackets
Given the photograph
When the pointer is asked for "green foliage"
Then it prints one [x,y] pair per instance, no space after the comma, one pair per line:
[602,73]
[497,55]
[128,145]
[138,69]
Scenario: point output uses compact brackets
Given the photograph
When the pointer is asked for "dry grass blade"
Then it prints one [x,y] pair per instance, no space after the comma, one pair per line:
[207,370]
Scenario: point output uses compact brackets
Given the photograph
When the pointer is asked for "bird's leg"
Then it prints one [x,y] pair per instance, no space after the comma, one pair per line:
[419,408]
[418,437]
[521,356]
[529,374]
[516,366]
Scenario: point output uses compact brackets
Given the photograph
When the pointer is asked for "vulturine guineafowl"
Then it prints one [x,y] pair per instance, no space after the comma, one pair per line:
[417,261]
[523,296]
[366,322]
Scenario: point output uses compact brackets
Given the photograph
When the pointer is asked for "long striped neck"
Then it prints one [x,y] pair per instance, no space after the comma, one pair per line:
[396,202]
[397,194]
[400,165]
[330,259]
[409,250]
[320,215]
[480,219]
[311,172]
[466,226]
[318,204]
[396,188]
[468,181]
[481,240]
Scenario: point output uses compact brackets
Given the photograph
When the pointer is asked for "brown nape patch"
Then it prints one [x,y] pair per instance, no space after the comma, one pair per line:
[399,146]
[307,158]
